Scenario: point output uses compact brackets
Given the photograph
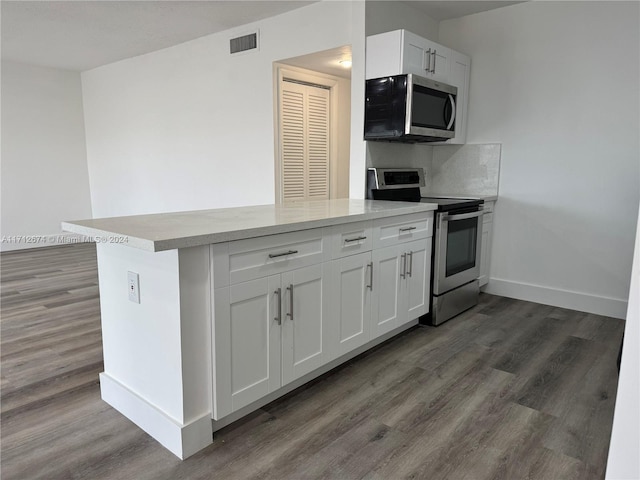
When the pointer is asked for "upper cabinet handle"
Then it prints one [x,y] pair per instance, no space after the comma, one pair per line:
[428,59]
[347,240]
[290,252]
[406,229]
[433,67]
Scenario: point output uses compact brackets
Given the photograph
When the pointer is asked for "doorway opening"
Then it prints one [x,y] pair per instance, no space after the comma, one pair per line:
[312,126]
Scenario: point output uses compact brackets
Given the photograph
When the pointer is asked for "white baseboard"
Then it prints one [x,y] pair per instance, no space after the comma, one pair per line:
[23,242]
[182,440]
[609,307]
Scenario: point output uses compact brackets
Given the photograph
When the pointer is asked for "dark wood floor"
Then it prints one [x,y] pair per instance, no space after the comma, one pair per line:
[510,390]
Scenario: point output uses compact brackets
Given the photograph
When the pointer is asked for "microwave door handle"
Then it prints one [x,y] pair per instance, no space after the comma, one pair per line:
[453,112]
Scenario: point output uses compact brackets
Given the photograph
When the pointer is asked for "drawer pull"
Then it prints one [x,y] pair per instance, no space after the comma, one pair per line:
[290,252]
[406,229]
[348,240]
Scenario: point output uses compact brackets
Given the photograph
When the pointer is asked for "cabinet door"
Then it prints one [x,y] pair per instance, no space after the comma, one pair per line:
[247,344]
[304,311]
[485,253]
[459,77]
[439,64]
[418,277]
[388,309]
[350,323]
[414,55]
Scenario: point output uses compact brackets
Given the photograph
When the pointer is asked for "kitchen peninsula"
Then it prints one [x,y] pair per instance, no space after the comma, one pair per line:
[208,315]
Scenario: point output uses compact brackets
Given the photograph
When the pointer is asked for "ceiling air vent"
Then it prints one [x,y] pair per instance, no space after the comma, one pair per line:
[244,43]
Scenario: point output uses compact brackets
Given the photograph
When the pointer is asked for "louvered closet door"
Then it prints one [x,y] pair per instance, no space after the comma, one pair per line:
[304,142]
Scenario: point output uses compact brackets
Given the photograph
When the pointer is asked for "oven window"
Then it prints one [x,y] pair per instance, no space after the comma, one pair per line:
[461,245]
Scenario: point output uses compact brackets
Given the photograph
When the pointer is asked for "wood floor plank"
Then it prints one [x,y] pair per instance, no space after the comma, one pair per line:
[507,390]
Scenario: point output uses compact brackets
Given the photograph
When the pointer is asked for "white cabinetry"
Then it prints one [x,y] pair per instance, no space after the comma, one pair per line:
[247,343]
[303,317]
[350,325]
[401,271]
[286,305]
[460,70]
[424,57]
[401,276]
[268,331]
[487,234]
[400,51]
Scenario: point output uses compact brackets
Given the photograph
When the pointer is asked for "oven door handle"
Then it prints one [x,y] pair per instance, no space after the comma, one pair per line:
[461,216]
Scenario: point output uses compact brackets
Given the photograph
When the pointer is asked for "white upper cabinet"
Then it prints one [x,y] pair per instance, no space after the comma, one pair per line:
[424,57]
[400,51]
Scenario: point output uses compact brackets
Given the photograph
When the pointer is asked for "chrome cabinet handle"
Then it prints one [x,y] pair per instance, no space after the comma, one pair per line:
[347,240]
[410,271]
[433,68]
[406,229]
[404,265]
[453,112]
[278,319]
[290,252]
[370,286]
[428,55]
[290,288]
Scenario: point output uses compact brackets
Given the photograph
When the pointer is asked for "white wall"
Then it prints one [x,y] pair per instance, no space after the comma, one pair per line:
[387,15]
[191,127]
[557,84]
[44,169]
[624,462]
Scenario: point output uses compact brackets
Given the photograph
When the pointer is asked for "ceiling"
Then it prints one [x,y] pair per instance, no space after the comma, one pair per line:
[80,35]
[327,61]
[445,10]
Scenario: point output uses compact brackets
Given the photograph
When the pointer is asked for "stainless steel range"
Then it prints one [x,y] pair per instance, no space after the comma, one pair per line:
[457,239]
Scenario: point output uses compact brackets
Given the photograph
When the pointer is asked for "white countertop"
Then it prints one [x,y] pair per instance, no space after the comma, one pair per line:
[168,231]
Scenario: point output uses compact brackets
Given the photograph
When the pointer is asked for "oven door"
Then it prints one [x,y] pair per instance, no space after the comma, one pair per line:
[457,250]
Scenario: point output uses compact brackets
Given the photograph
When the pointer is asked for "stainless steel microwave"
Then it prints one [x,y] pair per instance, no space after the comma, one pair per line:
[409,108]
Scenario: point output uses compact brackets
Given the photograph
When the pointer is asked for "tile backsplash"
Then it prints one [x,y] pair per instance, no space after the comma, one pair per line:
[471,169]
[463,170]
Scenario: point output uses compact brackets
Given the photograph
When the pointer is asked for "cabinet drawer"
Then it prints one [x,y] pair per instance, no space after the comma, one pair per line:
[273,254]
[404,228]
[350,239]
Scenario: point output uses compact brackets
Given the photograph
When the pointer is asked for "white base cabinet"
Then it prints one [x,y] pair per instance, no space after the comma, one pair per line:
[268,332]
[286,305]
[351,309]
[487,238]
[304,314]
[401,277]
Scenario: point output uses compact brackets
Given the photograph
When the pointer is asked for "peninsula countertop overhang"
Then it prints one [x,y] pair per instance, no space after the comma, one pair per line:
[169,231]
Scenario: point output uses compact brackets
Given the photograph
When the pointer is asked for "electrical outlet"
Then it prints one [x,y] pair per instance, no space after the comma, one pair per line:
[133,282]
